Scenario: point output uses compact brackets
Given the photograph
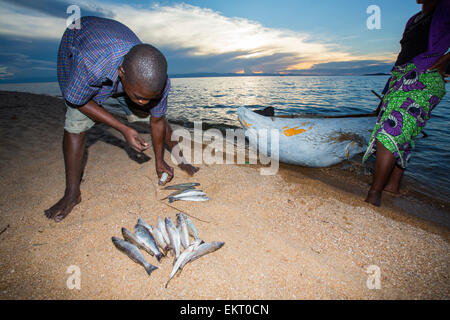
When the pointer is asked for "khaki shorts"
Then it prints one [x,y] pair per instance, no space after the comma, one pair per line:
[77,122]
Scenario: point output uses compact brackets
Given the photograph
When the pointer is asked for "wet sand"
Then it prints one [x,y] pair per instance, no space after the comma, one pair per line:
[301,234]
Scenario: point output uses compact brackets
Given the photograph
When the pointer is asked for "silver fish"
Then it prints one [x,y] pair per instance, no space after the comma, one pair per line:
[183,191]
[201,250]
[131,238]
[189,193]
[183,256]
[174,237]
[189,198]
[162,229]
[143,223]
[182,186]
[160,240]
[133,253]
[192,230]
[144,235]
[184,235]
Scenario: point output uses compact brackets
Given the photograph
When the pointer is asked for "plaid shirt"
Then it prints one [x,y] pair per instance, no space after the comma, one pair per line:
[89,58]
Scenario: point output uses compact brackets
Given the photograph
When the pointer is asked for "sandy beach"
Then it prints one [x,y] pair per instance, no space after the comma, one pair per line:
[300,234]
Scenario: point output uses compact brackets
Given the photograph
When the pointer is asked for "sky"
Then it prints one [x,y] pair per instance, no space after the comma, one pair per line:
[311,37]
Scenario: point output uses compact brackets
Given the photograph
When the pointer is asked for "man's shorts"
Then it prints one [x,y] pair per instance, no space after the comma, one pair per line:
[77,122]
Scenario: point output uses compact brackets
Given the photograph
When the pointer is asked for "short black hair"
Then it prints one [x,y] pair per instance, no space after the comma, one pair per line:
[146,65]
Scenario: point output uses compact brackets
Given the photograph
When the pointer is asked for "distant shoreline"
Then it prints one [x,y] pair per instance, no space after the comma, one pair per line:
[376,74]
[217,75]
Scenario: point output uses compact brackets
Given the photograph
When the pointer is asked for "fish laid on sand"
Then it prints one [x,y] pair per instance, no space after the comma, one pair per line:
[133,239]
[201,250]
[184,191]
[184,256]
[196,250]
[162,228]
[145,237]
[189,198]
[184,234]
[165,237]
[156,235]
[145,224]
[192,230]
[174,237]
[133,253]
[160,240]
[182,186]
[187,193]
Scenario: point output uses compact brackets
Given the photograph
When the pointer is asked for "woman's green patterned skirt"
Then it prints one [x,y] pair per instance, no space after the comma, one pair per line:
[405,109]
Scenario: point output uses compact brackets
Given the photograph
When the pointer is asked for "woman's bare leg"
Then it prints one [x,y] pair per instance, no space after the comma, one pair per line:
[393,185]
[384,164]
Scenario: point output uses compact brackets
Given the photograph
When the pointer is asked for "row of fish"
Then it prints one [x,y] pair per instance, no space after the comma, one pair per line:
[186,192]
[165,237]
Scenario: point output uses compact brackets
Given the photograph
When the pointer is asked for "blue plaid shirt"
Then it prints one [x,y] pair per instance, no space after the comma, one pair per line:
[89,58]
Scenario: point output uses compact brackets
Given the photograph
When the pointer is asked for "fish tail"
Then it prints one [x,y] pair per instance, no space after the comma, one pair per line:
[150,268]
[159,256]
[171,199]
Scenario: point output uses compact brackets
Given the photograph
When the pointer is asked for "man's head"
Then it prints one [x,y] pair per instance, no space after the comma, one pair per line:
[143,73]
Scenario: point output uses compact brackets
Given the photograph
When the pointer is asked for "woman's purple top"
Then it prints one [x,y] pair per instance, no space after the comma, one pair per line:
[439,37]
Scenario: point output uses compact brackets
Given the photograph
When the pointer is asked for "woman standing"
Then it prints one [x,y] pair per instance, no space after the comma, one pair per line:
[416,87]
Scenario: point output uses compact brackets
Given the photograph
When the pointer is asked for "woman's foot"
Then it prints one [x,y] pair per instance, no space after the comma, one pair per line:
[374,198]
[392,190]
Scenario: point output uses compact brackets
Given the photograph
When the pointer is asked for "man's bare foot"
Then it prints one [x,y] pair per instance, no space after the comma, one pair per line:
[190,169]
[392,190]
[374,198]
[63,207]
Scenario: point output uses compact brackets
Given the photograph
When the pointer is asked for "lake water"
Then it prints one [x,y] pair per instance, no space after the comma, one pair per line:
[215,100]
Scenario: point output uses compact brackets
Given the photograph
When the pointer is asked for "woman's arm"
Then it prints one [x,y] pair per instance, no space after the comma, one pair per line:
[441,66]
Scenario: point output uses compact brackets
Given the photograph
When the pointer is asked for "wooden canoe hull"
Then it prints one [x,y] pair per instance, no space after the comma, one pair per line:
[311,142]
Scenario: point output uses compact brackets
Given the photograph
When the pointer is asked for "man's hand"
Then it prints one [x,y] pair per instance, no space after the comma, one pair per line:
[441,66]
[134,140]
[162,166]
[99,114]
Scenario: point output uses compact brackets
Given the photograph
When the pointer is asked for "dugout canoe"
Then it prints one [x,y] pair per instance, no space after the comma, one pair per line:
[311,141]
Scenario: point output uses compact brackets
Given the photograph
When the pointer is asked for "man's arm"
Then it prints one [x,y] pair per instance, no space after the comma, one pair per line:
[182,163]
[99,114]
[158,130]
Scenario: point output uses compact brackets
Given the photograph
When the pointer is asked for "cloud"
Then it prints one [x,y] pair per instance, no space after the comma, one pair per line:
[357,67]
[43,19]
[204,32]
[19,65]
[29,23]
[59,8]
[203,39]
[4,74]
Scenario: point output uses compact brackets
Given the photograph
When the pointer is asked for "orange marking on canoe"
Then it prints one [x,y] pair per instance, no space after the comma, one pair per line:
[247,125]
[289,132]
